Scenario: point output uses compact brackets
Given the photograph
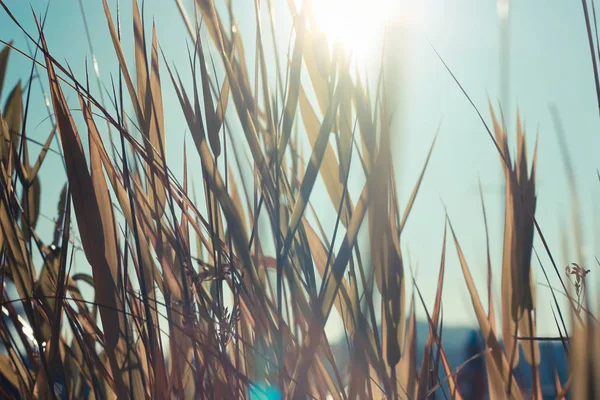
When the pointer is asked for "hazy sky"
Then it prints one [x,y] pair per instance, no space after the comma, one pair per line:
[549,63]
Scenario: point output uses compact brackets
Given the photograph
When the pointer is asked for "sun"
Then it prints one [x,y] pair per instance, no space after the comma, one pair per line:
[358,25]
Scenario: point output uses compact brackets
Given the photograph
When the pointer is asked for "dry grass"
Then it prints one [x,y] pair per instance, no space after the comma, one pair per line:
[231,315]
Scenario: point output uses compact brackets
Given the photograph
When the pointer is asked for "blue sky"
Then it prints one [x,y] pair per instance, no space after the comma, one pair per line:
[549,63]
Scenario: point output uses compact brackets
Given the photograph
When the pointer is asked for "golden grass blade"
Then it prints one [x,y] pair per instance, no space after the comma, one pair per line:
[24,374]
[214,25]
[415,190]
[509,325]
[310,176]
[495,383]
[518,299]
[345,125]
[500,361]
[317,59]
[155,146]
[491,313]
[141,63]
[150,116]
[583,350]
[329,164]
[291,101]
[121,57]
[345,301]
[186,19]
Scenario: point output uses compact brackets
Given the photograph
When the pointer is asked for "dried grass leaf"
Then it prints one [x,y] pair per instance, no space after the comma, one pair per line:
[95,220]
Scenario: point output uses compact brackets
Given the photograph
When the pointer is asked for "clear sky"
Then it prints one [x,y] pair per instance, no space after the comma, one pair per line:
[549,64]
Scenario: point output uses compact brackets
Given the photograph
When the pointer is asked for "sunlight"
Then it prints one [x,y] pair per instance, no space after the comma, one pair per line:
[356,24]
[359,25]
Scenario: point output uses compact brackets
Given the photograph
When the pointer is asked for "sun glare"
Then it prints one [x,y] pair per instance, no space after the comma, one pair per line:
[355,24]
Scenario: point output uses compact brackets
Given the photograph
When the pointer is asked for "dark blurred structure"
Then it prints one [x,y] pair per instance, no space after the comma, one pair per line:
[472,380]
[462,343]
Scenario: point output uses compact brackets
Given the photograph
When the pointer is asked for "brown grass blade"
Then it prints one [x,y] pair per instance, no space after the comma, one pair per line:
[209,108]
[32,173]
[95,220]
[13,115]
[3,64]
[121,57]
[141,65]
[408,379]
[223,101]
[31,206]
[450,376]
[19,260]
[8,371]
[426,360]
